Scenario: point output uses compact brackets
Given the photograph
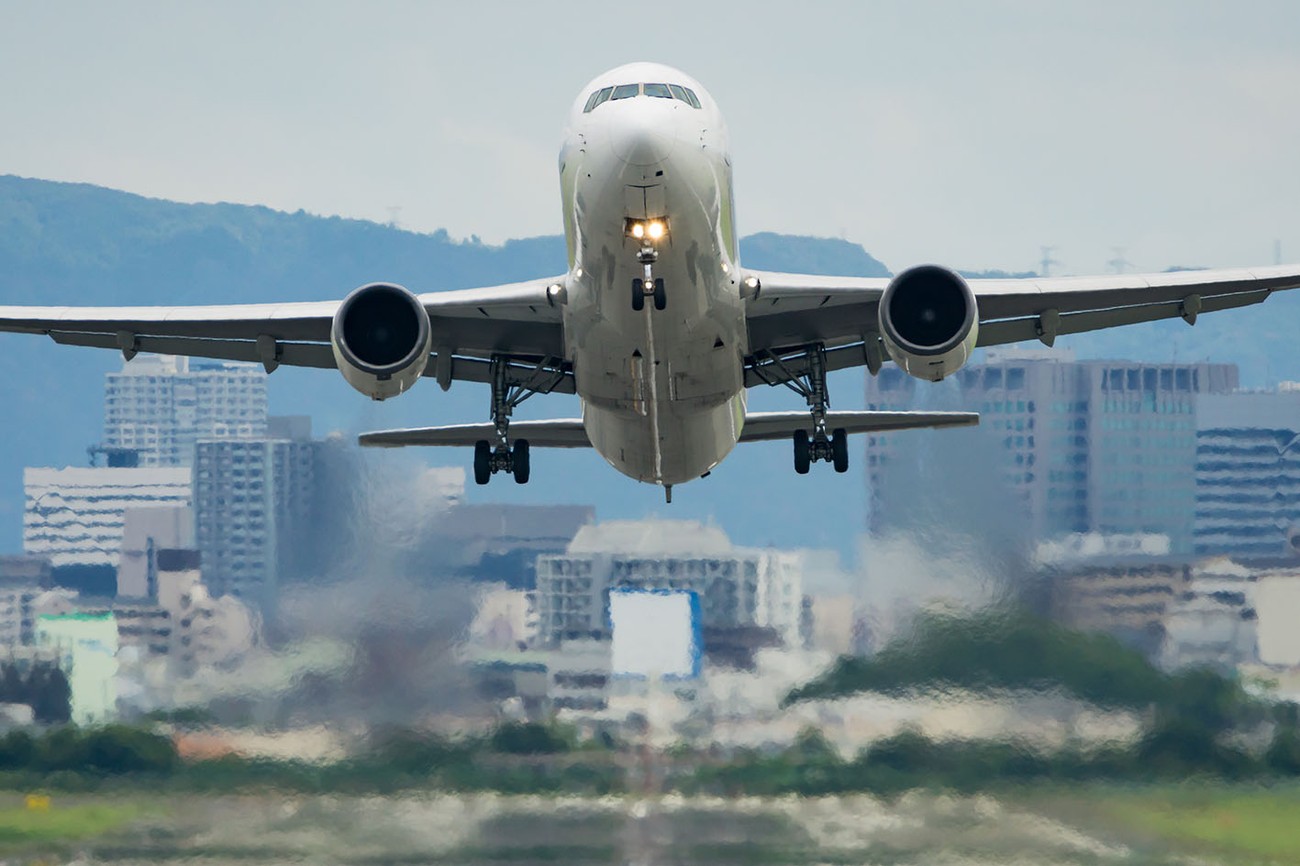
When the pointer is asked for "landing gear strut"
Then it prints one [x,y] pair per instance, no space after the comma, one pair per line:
[649,285]
[806,375]
[511,385]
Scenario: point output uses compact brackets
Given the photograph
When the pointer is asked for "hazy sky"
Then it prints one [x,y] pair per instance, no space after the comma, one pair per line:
[966,133]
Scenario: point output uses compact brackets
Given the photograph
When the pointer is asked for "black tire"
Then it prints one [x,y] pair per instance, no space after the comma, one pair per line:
[840,450]
[482,462]
[661,297]
[802,453]
[519,461]
[638,295]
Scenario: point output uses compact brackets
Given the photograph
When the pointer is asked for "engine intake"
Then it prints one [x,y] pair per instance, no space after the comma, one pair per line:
[929,321]
[381,339]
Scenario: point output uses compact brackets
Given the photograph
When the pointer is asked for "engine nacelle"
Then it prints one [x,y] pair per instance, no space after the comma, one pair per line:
[382,339]
[929,321]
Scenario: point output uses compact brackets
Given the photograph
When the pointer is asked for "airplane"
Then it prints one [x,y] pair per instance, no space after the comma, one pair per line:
[656,325]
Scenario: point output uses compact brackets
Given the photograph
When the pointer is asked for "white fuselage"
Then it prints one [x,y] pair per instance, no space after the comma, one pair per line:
[662,390]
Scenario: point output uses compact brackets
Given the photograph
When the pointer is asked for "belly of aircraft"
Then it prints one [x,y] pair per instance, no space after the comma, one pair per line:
[662,390]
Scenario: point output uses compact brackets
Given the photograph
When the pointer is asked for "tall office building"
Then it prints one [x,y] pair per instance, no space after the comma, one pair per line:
[250,497]
[1248,473]
[160,405]
[1085,446]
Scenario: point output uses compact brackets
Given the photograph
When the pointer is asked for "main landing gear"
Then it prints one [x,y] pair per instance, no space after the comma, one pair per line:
[805,374]
[511,385]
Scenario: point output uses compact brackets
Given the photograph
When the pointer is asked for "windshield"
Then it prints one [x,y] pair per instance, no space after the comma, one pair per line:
[628,91]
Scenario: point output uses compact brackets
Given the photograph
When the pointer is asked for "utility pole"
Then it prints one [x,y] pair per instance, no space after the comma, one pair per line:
[1045,264]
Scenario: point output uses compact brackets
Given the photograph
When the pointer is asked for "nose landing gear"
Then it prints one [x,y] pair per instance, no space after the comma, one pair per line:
[655,290]
[649,286]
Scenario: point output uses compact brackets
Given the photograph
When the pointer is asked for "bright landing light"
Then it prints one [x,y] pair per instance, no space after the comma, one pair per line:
[638,230]
[656,230]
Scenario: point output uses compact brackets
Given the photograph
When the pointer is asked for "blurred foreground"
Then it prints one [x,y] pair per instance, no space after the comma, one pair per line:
[1100,825]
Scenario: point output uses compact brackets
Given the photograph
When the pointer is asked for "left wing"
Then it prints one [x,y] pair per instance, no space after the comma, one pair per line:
[521,319]
[759,427]
[792,310]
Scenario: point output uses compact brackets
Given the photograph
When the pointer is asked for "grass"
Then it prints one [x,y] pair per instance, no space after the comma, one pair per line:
[1238,823]
[63,823]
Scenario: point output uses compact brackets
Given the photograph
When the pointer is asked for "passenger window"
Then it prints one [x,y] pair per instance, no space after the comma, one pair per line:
[598,97]
[626,91]
[659,90]
[691,97]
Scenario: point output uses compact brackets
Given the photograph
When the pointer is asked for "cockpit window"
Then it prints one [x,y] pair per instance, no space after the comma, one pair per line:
[597,98]
[626,91]
[683,94]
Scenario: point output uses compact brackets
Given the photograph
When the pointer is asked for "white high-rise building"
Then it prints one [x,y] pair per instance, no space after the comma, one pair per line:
[160,405]
[1248,473]
[75,516]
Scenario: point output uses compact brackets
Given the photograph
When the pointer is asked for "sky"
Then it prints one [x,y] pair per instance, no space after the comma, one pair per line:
[970,134]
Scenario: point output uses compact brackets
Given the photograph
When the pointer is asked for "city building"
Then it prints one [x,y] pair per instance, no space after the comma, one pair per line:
[1248,474]
[87,647]
[1084,446]
[146,531]
[496,542]
[1214,620]
[22,580]
[748,594]
[75,516]
[160,405]
[250,498]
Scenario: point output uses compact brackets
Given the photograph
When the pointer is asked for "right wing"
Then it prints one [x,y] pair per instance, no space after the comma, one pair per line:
[795,310]
[759,427]
[519,319]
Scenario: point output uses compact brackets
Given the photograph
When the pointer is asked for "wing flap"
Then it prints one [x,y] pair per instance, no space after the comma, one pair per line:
[766,426]
[553,433]
[1015,330]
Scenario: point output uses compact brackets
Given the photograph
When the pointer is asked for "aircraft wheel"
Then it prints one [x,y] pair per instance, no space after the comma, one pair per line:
[840,450]
[661,297]
[519,461]
[482,461]
[802,453]
[638,295]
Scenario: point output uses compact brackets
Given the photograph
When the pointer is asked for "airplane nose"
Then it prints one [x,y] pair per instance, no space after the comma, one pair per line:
[645,135]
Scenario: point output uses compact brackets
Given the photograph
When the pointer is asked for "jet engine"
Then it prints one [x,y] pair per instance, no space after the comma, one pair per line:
[929,321]
[382,339]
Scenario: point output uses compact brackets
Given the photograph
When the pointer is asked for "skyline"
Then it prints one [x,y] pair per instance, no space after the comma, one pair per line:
[344,109]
